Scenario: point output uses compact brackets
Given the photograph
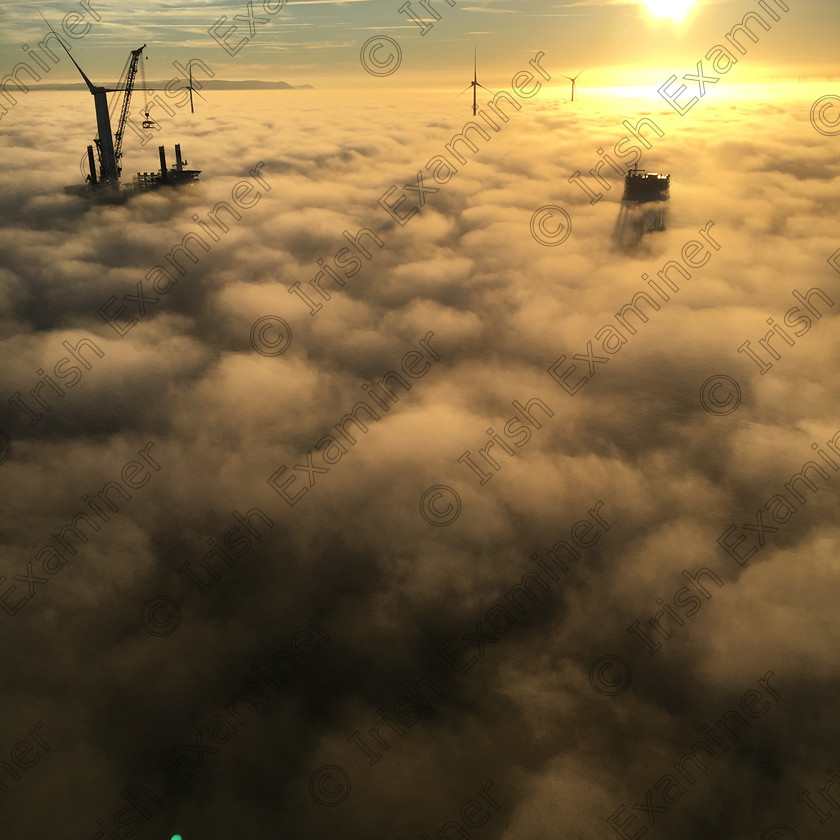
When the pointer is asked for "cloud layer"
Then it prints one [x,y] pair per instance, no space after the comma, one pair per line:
[349,611]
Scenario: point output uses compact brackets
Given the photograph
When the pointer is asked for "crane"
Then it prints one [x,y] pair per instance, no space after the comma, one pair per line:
[129,87]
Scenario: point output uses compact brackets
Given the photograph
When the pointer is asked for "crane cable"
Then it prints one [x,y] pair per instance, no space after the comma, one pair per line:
[145,93]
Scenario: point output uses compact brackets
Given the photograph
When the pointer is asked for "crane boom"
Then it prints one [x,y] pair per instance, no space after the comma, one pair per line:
[129,87]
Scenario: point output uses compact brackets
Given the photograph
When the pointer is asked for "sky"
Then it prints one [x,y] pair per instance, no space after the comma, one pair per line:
[319,42]
[376,486]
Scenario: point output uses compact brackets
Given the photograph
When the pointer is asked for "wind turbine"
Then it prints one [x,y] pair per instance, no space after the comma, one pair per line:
[110,172]
[474,84]
[191,88]
[149,122]
[573,80]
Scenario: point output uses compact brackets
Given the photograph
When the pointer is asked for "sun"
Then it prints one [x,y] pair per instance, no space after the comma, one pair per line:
[676,10]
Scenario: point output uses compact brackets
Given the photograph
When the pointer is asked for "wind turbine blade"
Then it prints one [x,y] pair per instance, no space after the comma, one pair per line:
[484,88]
[87,80]
[189,68]
[475,64]
[199,94]
[464,90]
[582,71]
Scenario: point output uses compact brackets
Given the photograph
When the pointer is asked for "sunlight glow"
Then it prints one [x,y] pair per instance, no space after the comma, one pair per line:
[676,10]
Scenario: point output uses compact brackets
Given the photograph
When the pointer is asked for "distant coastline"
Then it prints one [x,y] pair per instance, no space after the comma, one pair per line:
[210,84]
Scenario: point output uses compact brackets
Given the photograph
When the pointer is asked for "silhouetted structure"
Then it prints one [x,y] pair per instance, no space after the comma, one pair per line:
[644,206]
[474,84]
[105,184]
[646,186]
[573,80]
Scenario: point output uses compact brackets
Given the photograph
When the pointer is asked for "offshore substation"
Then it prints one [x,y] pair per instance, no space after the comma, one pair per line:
[644,206]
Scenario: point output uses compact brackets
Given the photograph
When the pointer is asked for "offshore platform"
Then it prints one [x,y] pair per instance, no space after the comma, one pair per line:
[644,205]
[102,181]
